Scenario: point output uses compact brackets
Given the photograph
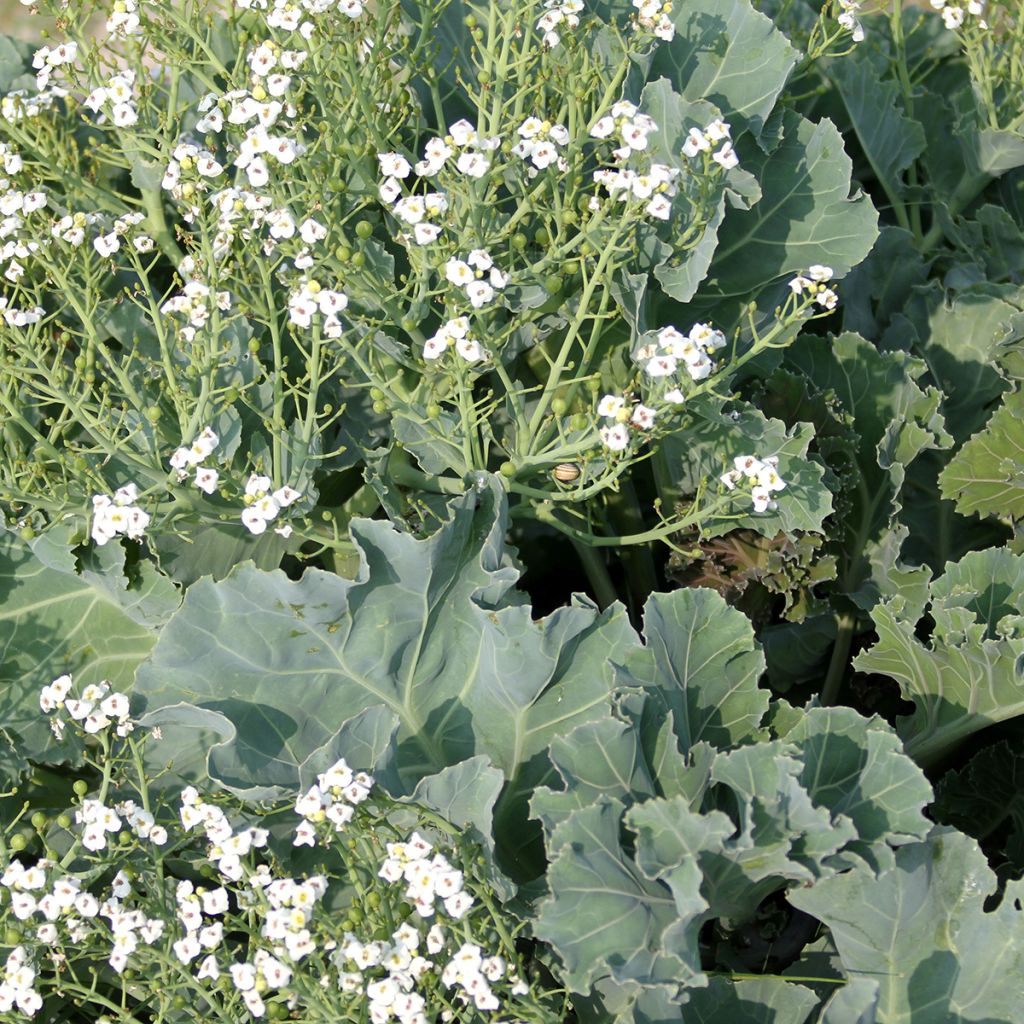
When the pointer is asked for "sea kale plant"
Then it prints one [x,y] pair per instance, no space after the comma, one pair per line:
[511,512]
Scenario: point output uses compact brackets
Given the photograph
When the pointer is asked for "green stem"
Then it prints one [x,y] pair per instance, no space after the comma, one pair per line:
[845,625]
[597,573]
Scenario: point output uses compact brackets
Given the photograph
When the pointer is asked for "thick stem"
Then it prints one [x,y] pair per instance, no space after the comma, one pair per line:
[845,624]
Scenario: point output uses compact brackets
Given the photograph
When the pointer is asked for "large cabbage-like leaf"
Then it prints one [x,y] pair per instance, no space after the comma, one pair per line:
[714,434]
[431,629]
[701,664]
[987,475]
[920,931]
[729,54]
[805,215]
[895,419]
[53,621]
[968,674]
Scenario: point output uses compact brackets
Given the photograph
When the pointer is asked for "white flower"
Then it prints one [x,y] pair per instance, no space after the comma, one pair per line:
[253,521]
[610,405]
[206,479]
[394,165]
[726,157]
[615,436]
[107,245]
[643,416]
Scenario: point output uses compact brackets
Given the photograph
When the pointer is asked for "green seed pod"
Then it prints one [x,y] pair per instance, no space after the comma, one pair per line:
[433,410]
[64,820]
[358,259]
[254,345]
[344,253]
[153,414]
[559,406]
[520,241]
[553,284]
[380,407]
[579,421]
[364,229]
[18,842]
[376,394]
[26,533]
[469,21]
[408,325]
[541,237]
[39,821]
[81,787]
[478,35]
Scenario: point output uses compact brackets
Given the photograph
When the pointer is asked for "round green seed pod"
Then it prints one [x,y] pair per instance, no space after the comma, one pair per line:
[364,229]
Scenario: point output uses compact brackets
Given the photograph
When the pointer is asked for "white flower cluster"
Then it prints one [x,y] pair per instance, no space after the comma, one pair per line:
[127,927]
[760,474]
[20,317]
[118,514]
[473,973]
[538,142]
[195,303]
[662,358]
[262,506]
[413,210]
[631,127]
[195,454]
[955,14]
[815,284]
[333,799]
[47,59]
[97,708]
[124,19]
[848,18]
[698,141]
[227,847]
[68,229]
[117,98]
[472,148]
[19,104]
[455,332]
[16,985]
[468,274]
[657,187]
[290,15]
[558,14]
[619,415]
[653,15]
[311,298]
[426,880]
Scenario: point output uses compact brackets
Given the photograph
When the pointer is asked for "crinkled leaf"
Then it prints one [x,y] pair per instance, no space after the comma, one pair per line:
[604,919]
[430,629]
[894,420]
[856,767]
[713,437]
[986,476]
[968,674]
[700,663]
[921,933]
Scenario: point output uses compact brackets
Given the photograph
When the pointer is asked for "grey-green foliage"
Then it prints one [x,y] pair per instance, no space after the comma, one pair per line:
[92,618]
[920,931]
[967,674]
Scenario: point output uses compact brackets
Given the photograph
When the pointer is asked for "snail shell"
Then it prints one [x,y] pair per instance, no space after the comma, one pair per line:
[566,472]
